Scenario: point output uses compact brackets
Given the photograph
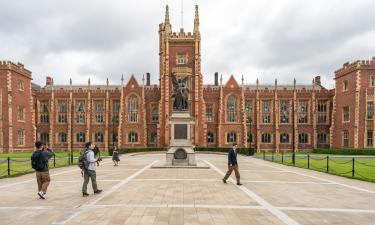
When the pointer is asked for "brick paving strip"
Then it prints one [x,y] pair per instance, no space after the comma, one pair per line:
[272,209]
[67,217]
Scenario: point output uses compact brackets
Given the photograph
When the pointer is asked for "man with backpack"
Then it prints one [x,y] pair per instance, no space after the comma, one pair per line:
[87,163]
[39,162]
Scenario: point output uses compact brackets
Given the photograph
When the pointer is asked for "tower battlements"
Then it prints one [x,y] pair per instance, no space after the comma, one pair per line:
[358,64]
[19,68]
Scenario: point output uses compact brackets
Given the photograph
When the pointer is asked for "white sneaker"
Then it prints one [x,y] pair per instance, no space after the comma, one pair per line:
[41,195]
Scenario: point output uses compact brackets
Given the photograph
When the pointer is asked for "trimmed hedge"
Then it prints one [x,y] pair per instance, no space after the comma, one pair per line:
[242,151]
[345,151]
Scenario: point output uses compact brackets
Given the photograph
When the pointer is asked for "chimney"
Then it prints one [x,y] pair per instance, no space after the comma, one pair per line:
[49,81]
[148,83]
[216,79]
[317,80]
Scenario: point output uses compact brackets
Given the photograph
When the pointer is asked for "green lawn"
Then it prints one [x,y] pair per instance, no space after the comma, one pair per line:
[364,167]
[20,162]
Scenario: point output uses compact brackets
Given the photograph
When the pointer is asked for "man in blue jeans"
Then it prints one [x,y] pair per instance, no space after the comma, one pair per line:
[91,171]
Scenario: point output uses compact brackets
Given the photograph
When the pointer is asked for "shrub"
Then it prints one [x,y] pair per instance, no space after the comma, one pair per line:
[243,151]
[141,149]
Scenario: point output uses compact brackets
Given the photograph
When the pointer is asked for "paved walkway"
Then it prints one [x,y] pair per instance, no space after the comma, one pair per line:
[135,193]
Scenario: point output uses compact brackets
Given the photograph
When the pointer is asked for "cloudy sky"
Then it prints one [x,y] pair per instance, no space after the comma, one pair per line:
[265,39]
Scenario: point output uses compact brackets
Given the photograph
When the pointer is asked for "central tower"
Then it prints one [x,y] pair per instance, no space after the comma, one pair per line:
[180,54]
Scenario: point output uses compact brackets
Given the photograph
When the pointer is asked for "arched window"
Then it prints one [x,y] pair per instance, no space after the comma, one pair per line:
[303,138]
[284,138]
[231,137]
[132,137]
[232,109]
[44,137]
[80,137]
[153,137]
[322,138]
[266,138]
[155,113]
[210,137]
[133,108]
[62,137]
[99,137]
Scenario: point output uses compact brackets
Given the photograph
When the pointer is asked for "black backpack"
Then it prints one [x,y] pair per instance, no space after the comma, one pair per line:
[83,163]
[37,162]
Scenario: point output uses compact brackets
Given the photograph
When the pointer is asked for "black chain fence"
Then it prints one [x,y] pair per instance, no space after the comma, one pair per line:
[357,167]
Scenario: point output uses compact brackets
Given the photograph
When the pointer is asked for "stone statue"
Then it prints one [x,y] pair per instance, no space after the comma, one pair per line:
[180,94]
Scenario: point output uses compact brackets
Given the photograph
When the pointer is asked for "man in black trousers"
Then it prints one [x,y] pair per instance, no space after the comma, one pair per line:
[232,165]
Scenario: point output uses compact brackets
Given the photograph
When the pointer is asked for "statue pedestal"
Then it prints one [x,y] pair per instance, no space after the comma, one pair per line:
[181,152]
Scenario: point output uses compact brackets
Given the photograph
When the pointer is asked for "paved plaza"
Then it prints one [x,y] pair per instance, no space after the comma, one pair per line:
[136,193]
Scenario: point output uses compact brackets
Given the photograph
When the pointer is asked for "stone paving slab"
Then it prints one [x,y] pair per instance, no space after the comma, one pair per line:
[134,193]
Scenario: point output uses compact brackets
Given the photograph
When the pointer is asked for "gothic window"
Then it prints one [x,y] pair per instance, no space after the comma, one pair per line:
[284,138]
[80,137]
[302,112]
[133,109]
[322,138]
[153,137]
[345,138]
[231,137]
[284,111]
[21,137]
[62,111]
[249,111]
[44,137]
[21,113]
[370,110]
[266,138]
[266,111]
[345,113]
[303,138]
[210,137]
[209,113]
[99,111]
[232,109]
[322,111]
[44,112]
[80,111]
[62,137]
[115,111]
[132,137]
[155,113]
[99,137]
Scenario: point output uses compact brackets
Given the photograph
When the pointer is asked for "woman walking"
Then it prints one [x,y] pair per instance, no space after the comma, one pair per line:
[115,157]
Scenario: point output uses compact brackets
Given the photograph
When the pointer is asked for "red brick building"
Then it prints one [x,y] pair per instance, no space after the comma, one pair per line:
[137,114]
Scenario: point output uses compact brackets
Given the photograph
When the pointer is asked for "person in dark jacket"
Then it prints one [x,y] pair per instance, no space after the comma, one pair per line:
[232,165]
[43,153]
[115,156]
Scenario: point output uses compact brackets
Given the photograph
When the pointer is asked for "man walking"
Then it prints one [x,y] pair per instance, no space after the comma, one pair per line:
[90,172]
[39,162]
[232,165]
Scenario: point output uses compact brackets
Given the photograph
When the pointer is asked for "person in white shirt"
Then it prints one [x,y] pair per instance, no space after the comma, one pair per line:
[91,171]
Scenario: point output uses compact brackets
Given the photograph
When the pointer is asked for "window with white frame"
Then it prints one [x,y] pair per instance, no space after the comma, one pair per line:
[370,138]
[181,59]
[99,111]
[62,111]
[44,137]
[370,110]
[231,137]
[209,113]
[232,109]
[21,113]
[249,111]
[44,112]
[115,111]
[284,111]
[322,138]
[62,137]
[322,112]
[345,114]
[132,137]
[372,81]
[266,138]
[210,137]
[302,111]
[80,137]
[21,137]
[153,137]
[345,138]
[266,111]
[155,113]
[99,137]
[133,109]
[345,85]
[80,111]
[21,85]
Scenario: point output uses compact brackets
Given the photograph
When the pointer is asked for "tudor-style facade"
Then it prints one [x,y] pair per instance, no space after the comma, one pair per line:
[137,114]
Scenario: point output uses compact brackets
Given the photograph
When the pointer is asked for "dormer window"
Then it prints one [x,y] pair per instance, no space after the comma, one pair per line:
[181,59]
